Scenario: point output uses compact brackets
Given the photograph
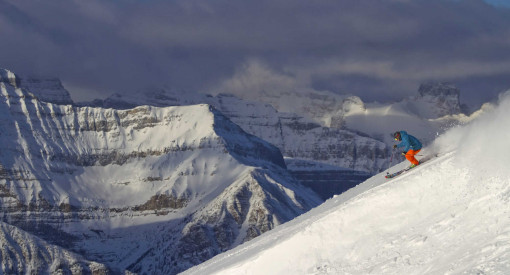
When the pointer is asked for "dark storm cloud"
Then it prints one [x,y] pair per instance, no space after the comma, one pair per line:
[376,49]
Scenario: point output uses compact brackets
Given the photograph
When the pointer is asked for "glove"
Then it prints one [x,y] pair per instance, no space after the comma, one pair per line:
[394,146]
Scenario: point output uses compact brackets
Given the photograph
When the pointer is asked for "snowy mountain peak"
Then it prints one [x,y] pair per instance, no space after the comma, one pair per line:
[439,99]
[9,77]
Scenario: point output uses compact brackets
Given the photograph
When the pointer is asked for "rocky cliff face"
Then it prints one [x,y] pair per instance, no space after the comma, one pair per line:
[439,100]
[148,189]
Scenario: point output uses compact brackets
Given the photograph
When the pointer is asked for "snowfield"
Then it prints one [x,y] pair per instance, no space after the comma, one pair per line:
[450,215]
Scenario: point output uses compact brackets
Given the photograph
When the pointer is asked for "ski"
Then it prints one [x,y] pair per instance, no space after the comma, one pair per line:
[389,176]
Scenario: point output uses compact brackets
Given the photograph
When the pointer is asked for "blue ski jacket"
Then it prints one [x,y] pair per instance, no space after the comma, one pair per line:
[409,142]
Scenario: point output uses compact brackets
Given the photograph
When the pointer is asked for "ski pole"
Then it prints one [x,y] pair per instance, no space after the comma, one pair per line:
[391,160]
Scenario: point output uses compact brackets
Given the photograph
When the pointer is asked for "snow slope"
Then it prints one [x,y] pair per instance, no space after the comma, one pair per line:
[451,215]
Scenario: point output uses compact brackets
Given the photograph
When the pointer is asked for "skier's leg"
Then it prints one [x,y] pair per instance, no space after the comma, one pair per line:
[410,156]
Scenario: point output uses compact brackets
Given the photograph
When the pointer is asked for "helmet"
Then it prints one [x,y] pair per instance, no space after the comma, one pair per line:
[397,136]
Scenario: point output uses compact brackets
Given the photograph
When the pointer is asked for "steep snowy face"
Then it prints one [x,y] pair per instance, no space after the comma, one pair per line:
[108,182]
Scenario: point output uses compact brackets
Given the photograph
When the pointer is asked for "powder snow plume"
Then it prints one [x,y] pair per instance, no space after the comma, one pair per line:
[482,146]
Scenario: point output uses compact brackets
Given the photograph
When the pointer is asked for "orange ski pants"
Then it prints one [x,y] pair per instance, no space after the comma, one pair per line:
[410,156]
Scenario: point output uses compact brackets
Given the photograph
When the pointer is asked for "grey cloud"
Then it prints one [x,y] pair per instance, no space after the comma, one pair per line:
[377,49]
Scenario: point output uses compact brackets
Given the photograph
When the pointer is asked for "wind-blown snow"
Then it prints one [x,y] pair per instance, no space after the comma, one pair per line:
[451,215]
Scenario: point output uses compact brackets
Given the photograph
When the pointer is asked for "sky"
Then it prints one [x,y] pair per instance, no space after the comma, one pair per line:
[380,50]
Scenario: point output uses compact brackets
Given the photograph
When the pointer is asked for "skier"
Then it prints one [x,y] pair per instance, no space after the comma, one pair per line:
[410,144]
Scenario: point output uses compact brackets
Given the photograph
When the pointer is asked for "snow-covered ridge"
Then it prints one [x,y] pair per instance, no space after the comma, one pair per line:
[447,216]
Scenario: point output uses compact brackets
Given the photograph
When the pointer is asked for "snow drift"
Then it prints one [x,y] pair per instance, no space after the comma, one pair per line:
[451,215]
